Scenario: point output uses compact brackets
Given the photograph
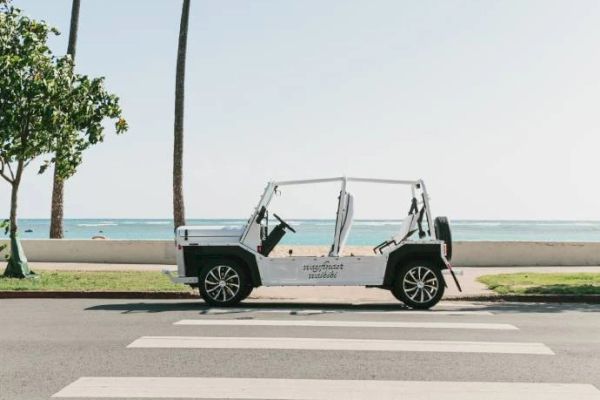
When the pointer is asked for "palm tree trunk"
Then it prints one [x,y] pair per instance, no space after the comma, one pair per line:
[74,28]
[56,212]
[178,204]
[58,187]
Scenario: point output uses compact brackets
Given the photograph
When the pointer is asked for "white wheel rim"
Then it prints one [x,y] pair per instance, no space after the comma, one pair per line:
[420,284]
[222,283]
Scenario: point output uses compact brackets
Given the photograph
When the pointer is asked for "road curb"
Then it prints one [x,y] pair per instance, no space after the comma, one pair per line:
[95,295]
[594,299]
[533,298]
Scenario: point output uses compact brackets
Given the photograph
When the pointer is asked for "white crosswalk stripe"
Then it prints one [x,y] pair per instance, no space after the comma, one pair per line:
[344,324]
[292,311]
[295,343]
[323,389]
[313,389]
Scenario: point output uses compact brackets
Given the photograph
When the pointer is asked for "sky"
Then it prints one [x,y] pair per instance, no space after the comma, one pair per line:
[495,104]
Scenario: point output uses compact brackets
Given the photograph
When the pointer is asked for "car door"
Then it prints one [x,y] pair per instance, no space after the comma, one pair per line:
[323,271]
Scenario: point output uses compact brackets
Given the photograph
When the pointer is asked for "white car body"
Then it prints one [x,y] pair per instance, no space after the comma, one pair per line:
[198,246]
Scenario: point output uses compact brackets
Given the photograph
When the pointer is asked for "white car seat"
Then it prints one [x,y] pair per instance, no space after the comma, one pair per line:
[408,227]
[343,224]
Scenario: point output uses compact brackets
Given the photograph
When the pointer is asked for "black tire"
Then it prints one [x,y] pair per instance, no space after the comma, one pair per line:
[224,283]
[247,290]
[396,295]
[419,284]
[442,232]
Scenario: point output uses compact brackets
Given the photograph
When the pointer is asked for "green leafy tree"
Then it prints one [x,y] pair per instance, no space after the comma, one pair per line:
[58,184]
[45,109]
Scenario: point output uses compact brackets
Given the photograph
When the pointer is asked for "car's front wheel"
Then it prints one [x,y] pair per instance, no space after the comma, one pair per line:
[223,283]
[419,284]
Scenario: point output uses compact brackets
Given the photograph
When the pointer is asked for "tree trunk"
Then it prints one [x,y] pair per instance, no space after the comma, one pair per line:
[178,204]
[14,195]
[74,28]
[56,213]
[58,188]
[17,264]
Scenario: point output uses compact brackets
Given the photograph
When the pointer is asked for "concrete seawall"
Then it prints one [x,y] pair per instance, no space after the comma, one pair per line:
[163,252]
[485,254]
[100,251]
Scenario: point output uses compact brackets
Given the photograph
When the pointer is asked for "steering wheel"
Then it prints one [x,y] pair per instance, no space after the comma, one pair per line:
[283,223]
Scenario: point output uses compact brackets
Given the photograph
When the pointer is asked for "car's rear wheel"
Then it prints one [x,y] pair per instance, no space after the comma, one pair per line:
[419,284]
[223,283]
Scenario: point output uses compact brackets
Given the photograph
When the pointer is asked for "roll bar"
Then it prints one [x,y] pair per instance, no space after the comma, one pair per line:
[272,187]
[346,179]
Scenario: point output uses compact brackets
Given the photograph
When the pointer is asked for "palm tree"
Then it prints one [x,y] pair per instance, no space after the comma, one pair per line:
[58,188]
[178,205]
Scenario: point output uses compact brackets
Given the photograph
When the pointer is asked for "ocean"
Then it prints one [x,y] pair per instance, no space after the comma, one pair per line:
[320,232]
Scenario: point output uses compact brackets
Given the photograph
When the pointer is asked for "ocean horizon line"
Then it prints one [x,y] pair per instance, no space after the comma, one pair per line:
[302,219]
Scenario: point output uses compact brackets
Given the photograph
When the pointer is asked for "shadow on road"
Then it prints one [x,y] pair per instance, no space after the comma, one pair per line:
[156,307]
[201,308]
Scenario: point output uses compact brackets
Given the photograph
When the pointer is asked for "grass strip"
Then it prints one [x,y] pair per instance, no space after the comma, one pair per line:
[582,283]
[94,281]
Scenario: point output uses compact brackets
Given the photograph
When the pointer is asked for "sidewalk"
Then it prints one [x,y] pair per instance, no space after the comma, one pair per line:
[351,294]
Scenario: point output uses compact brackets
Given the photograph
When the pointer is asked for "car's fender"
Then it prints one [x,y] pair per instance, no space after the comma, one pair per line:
[195,258]
[409,252]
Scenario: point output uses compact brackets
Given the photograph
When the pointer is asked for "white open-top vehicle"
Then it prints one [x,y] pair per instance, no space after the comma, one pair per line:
[226,264]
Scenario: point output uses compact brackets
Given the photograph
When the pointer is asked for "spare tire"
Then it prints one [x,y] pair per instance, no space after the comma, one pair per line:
[442,232]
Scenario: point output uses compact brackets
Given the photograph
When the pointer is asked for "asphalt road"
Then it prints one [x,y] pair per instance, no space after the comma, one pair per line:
[274,350]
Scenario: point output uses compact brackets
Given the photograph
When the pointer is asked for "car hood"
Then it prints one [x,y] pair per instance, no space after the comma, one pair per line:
[206,231]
